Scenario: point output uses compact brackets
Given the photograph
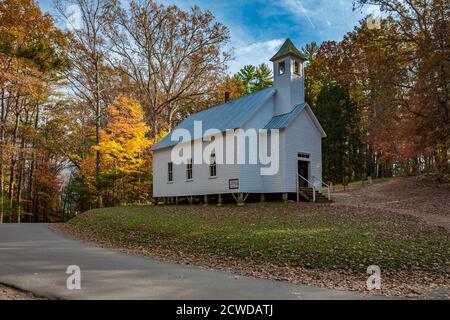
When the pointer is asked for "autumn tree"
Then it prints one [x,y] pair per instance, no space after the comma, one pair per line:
[172,57]
[230,88]
[171,61]
[124,139]
[124,147]
[31,53]
[424,93]
[369,67]
[89,76]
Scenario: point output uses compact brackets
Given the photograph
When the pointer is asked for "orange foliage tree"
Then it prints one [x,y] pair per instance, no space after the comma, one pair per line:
[124,149]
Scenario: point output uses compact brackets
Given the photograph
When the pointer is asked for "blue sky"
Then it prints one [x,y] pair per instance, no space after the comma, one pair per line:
[258,27]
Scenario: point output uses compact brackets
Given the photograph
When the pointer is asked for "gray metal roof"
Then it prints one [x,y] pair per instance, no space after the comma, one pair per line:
[283,120]
[231,115]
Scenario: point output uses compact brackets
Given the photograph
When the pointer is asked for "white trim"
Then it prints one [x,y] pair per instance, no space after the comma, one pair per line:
[302,158]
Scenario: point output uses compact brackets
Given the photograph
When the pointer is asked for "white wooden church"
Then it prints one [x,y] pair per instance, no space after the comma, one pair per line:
[282,107]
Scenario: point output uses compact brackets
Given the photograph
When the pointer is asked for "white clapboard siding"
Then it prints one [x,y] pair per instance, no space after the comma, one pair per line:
[302,136]
[201,183]
[250,179]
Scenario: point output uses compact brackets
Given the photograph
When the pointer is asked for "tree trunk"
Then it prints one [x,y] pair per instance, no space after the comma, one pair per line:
[13,166]
[97,129]
[21,164]
[31,208]
[20,180]
[2,139]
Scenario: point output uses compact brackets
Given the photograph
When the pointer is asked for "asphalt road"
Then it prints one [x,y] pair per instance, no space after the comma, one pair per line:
[35,259]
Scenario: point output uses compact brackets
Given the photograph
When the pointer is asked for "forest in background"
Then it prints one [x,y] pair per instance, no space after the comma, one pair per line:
[81,106]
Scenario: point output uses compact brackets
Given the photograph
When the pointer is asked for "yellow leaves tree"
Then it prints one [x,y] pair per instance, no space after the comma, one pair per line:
[124,141]
[125,157]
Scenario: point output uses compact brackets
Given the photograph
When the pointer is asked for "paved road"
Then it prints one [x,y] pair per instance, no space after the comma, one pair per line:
[34,258]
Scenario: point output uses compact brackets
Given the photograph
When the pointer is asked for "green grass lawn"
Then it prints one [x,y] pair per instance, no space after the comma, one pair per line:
[306,235]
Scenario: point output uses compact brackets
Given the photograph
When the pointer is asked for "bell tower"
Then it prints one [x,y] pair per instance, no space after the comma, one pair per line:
[289,77]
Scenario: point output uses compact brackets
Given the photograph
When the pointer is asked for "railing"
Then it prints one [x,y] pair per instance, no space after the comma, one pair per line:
[309,183]
[326,185]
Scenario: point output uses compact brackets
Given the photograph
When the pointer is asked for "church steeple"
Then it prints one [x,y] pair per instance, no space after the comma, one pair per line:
[288,48]
[289,79]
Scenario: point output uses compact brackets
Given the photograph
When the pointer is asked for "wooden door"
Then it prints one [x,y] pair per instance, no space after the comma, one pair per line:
[303,171]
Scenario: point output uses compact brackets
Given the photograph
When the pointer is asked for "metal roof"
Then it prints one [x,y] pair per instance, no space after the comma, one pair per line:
[283,120]
[231,115]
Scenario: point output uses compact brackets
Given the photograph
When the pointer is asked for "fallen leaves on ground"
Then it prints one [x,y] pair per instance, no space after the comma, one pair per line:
[320,245]
[8,293]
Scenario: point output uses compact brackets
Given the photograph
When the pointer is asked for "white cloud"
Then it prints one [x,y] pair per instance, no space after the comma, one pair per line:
[255,54]
[297,8]
[302,20]
[245,48]
[324,19]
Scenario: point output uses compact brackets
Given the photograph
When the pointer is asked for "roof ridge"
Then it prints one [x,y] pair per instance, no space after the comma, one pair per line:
[229,115]
[231,101]
[293,109]
[281,121]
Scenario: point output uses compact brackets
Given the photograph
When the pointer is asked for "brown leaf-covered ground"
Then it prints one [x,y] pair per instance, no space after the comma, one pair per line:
[8,293]
[420,197]
[322,245]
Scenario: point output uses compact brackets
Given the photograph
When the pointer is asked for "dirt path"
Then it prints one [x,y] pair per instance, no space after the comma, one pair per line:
[414,196]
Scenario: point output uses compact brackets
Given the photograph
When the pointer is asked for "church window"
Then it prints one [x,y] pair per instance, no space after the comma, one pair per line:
[281,67]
